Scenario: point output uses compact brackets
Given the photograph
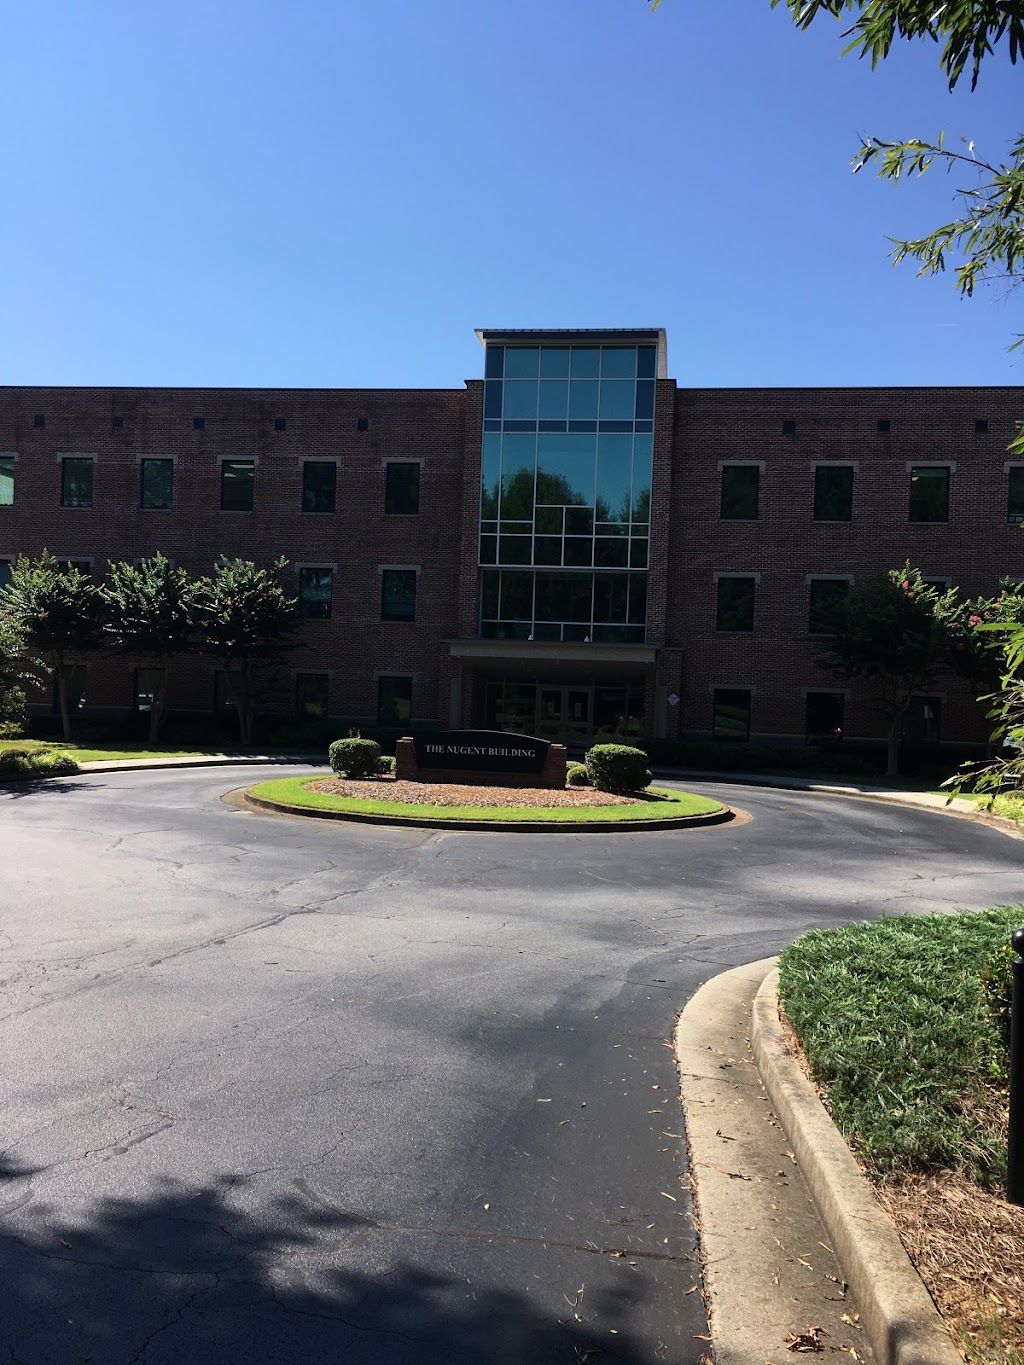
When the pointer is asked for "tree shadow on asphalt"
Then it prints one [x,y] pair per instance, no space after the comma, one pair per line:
[184,1274]
[46,786]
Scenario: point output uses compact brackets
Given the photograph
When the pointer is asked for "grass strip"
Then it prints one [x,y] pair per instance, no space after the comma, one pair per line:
[293,791]
[892,1018]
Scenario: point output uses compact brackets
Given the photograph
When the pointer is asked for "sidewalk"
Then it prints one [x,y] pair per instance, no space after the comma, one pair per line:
[797,1255]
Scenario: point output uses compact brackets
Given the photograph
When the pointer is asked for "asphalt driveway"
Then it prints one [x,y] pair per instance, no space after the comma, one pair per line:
[286,1091]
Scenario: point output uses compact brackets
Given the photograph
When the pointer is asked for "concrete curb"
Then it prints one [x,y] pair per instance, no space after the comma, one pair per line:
[901,1321]
[493,826]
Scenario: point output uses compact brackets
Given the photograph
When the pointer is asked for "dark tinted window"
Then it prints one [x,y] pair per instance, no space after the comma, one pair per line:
[929,494]
[394,701]
[157,478]
[740,485]
[732,714]
[823,720]
[735,604]
[833,492]
[6,480]
[1015,506]
[76,482]
[402,493]
[316,589]
[319,485]
[312,693]
[398,595]
[237,482]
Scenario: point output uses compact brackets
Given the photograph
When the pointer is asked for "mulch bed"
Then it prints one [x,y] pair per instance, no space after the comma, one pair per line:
[449,794]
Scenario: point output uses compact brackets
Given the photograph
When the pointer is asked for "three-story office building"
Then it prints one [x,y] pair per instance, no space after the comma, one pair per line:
[573,545]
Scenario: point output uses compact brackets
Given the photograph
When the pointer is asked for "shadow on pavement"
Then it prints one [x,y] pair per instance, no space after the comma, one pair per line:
[184,1274]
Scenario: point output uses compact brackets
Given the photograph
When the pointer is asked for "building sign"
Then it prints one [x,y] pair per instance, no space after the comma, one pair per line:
[481,751]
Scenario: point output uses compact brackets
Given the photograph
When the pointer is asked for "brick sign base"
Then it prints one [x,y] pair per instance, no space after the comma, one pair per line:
[407,769]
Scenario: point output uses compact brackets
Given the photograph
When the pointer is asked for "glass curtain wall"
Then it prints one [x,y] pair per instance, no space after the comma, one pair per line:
[566,492]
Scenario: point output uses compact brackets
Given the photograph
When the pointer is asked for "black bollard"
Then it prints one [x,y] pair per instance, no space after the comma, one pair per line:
[1015,1145]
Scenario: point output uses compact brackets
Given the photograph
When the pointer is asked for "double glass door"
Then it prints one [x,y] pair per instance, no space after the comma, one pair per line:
[564,714]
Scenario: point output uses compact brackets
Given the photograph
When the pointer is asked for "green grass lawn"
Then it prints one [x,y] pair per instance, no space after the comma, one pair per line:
[893,1020]
[293,791]
[85,754]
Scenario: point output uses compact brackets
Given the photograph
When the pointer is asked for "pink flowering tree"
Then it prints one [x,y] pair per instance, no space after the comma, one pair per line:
[892,634]
[245,619]
[975,650]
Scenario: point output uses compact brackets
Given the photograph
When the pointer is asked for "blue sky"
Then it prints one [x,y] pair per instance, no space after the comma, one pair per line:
[330,193]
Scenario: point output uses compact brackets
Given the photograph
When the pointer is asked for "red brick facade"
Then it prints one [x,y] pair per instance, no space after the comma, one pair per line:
[696,431]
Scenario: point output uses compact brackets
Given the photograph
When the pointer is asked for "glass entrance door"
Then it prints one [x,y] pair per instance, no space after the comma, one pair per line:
[564,714]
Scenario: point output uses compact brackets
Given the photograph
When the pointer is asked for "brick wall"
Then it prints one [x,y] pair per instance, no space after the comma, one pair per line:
[784,545]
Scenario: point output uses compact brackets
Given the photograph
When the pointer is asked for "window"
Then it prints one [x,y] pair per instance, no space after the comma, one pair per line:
[731,715]
[76,481]
[319,485]
[833,492]
[312,693]
[828,597]
[157,483]
[789,426]
[929,493]
[5,573]
[922,722]
[149,684]
[394,701]
[362,424]
[981,426]
[740,484]
[237,480]
[6,480]
[884,426]
[398,595]
[316,589]
[198,423]
[39,421]
[117,423]
[280,424]
[735,604]
[607,608]
[1014,508]
[823,723]
[402,491]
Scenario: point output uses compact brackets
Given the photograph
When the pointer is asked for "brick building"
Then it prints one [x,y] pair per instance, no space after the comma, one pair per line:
[572,546]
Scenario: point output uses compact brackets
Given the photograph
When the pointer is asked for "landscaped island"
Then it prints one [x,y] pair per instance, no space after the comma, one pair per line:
[385,797]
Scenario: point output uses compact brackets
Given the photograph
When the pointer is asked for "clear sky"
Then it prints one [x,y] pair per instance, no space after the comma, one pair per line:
[331,193]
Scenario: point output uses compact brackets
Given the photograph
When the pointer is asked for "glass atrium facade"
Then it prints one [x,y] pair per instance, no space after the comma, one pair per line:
[565,495]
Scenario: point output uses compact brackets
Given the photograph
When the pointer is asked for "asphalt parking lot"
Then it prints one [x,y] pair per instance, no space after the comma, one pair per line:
[286,1091]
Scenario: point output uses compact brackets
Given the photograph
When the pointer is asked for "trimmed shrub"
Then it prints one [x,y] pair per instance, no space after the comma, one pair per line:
[617,768]
[386,765]
[47,763]
[355,758]
[576,775]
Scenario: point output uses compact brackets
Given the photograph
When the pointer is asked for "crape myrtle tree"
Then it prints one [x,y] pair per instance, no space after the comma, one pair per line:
[245,620]
[1004,624]
[14,674]
[150,608]
[60,613]
[891,632]
[979,654]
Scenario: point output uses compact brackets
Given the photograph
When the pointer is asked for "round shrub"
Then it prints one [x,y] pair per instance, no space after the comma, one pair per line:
[576,775]
[386,765]
[617,768]
[355,758]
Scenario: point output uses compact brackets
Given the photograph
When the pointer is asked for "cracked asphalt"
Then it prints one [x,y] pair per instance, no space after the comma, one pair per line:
[292,1091]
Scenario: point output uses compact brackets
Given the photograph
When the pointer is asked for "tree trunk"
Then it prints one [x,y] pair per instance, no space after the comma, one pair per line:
[892,756]
[62,698]
[154,722]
